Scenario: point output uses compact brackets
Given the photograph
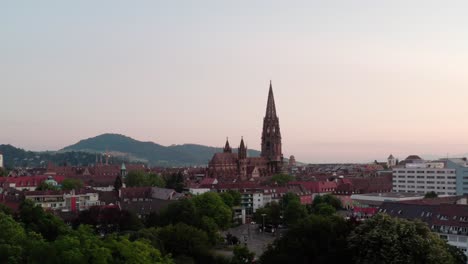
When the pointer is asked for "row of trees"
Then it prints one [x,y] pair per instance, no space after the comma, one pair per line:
[381,239]
[139,178]
[35,236]
[290,210]
[187,229]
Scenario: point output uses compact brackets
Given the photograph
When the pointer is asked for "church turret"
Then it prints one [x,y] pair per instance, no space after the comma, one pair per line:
[271,135]
[242,150]
[227,148]
[123,171]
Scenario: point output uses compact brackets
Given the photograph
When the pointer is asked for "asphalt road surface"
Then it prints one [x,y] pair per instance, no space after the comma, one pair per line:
[255,240]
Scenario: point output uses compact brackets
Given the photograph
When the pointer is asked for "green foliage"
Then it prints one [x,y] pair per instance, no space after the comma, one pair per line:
[37,220]
[236,197]
[139,178]
[11,239]
[315,239]
[18,245]
[281,179]
[288,198]
[175,181]
[109,219]
[294,212]
[211,205]
[327,199]
[242,255]
[44,186]
[184,240]
[231,198]
[72,184]
[383,239]
[5,209]
[430,195]
[325,209]
[118,183]
[272,213]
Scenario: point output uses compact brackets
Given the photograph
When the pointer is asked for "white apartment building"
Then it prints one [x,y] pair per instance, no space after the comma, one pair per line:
[418,176]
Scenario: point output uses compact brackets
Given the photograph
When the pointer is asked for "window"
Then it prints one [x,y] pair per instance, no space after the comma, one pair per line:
[420,171]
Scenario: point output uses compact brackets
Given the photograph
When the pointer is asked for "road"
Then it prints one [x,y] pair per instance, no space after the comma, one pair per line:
[255,240]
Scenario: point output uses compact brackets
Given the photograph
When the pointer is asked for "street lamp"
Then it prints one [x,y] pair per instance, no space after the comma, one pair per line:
[263,217]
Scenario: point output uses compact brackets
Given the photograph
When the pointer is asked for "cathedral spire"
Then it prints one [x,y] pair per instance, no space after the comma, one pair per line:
[242,150]
[271,135]
[227,148]
[271,108]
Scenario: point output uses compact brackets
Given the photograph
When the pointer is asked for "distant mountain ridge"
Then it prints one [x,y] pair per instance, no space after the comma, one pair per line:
[152,153]
[16,157]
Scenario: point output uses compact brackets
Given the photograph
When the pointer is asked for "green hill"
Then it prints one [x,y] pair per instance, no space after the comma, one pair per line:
[16,157]
[150,152]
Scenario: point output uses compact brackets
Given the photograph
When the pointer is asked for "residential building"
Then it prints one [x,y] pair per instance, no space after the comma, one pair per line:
[64,201]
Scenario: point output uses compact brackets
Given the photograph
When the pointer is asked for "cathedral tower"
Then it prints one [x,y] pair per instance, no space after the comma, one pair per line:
[271,136]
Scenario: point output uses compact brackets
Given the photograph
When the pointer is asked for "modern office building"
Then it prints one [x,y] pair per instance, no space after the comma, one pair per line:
[444,177]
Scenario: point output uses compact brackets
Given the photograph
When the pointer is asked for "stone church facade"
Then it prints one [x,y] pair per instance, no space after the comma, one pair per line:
[230,166]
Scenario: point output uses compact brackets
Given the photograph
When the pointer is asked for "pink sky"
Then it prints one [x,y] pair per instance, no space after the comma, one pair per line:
[352,82]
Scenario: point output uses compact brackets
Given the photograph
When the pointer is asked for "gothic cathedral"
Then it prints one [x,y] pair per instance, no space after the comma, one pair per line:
[228,166]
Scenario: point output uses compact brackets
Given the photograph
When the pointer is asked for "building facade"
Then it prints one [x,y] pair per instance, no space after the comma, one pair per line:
[416,175]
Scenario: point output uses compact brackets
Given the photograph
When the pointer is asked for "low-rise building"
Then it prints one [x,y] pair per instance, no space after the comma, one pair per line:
[64,201]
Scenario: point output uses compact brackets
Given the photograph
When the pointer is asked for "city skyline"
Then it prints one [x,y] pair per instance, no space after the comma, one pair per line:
[353,82]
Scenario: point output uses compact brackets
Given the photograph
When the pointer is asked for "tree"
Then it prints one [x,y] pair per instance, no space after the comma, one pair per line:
[327,199]
[383,239]
[325,209]
[272,213]
[227,199]
[44,186]
[288,198]
[175,181]
[211,205]
[135,178]
[37,220]
[184,240]
[242,255]
[315,239]
[11,239]
[72,184]
[430,195]
[156,180]
[139,178]
[281,179]
[118,183]
[236,197]
[294,212]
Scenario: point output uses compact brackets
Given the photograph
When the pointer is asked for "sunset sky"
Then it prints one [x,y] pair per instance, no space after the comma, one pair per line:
[353,80]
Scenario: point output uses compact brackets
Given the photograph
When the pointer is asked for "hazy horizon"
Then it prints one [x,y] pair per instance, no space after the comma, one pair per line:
[353,81]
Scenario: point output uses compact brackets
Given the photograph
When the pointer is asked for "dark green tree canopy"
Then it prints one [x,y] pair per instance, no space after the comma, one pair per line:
[383,239]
